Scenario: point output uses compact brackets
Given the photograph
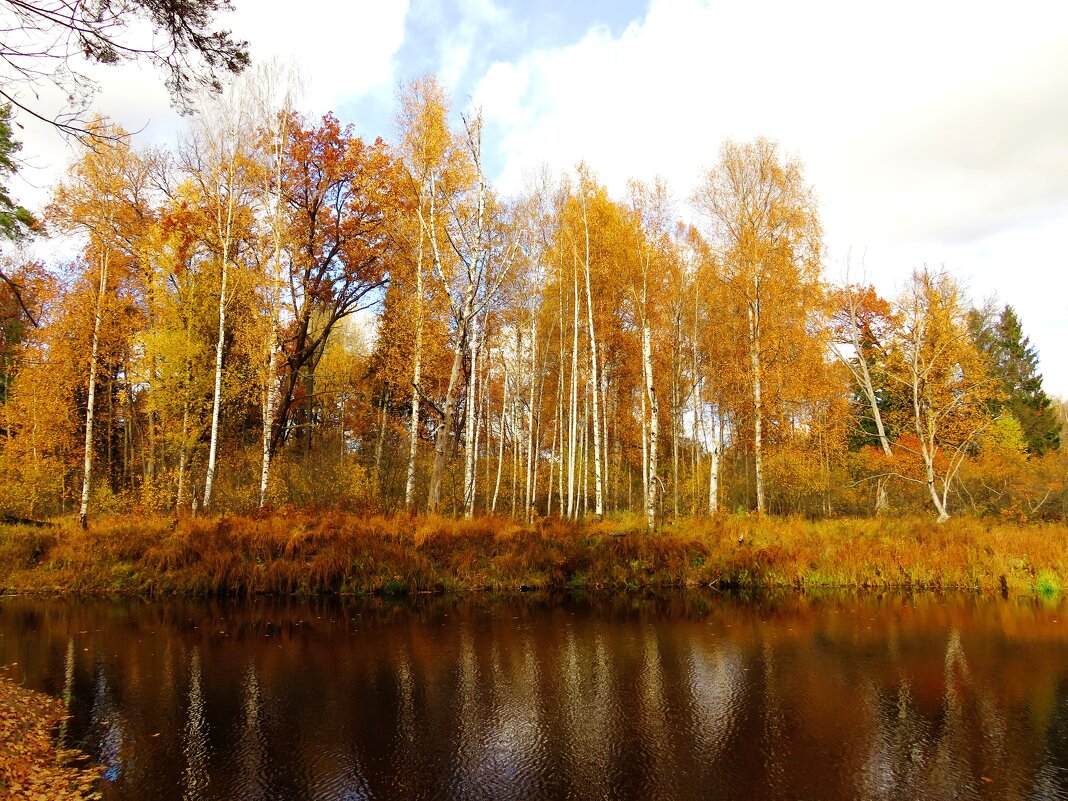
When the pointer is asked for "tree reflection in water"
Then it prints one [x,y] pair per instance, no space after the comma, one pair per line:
[251,745]
[195,745]
[687,696]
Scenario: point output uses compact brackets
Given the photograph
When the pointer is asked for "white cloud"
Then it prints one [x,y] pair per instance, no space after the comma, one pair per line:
[930,131]
[345,51]
[132,96]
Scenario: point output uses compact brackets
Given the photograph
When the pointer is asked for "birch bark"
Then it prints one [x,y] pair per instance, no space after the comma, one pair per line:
[83,514]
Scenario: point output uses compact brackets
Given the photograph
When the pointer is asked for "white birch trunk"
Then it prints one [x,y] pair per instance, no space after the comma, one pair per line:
[586,452]
[713,470]
[697,405]
[475,257]
[922,418]
[645,433]
[572,437]
[272,300]
[514,423]
[500,441]
[676,411]
[480,413]
[417,374]
[598,475]
[413,431]
[90,406]
[268,416]
[531,511]
[530,416]
[754,361]
[560,401]
[605,460]
[224,220]
[213,448]
[552,468]
[469,436]
[654,427]
[442,435]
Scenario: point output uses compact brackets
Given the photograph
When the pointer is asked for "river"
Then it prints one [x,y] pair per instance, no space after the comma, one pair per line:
[694,695]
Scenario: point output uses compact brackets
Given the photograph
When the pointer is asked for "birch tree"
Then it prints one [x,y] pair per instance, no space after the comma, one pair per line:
[946,379]
[649,207]
[483,261]
[272,88]
[104,199]
[862,326]
[767,239]
[219,159]
[425,150]
[586,192]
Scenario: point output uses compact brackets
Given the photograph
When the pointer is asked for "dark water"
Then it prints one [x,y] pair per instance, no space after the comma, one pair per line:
[689,696]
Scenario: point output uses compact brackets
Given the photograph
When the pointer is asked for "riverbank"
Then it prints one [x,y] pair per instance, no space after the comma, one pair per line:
[31,766]
[307,553]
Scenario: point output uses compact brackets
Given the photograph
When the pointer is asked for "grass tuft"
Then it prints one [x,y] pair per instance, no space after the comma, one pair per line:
[1048,584]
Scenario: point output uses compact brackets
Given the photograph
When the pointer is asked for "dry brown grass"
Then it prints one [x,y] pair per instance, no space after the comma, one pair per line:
[308,552]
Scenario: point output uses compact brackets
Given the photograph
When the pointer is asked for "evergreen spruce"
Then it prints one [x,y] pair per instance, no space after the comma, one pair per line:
[15,221]
[1014,363]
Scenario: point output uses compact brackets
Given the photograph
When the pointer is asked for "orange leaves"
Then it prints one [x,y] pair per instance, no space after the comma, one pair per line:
[337,192]
[338,189]
[31,767]
[861,308]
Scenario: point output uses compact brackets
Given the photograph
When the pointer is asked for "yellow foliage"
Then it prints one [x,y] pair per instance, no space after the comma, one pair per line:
[1003,439]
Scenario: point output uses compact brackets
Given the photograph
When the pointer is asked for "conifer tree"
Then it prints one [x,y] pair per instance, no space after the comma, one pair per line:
[15,221]
[1014,363]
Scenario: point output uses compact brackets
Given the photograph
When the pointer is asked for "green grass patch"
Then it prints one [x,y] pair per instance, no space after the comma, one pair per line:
[1048,584]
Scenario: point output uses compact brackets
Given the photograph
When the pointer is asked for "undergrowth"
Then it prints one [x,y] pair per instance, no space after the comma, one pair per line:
[289,552]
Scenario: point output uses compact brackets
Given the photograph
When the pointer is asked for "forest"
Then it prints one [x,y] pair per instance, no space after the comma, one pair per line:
[275,314]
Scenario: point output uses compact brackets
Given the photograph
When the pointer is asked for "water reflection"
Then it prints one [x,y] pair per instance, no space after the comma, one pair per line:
[251,744]
[715,681]
[195,741]
[68,689]
[678,697]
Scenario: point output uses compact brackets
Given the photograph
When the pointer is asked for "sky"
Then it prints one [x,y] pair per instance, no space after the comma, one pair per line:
[933,132]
